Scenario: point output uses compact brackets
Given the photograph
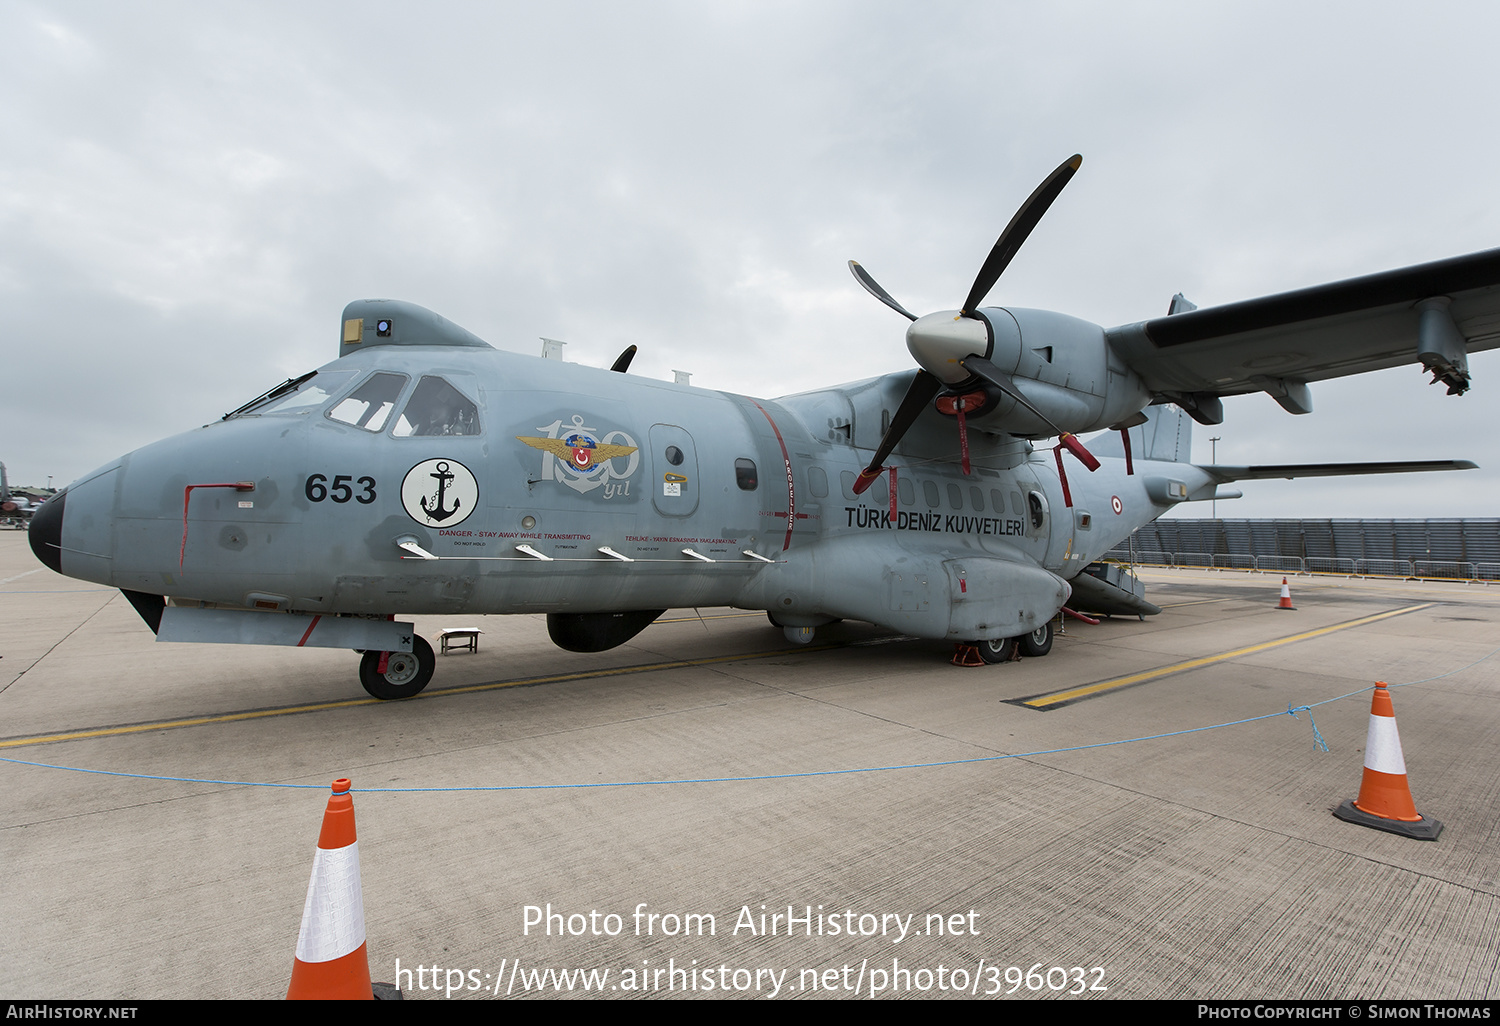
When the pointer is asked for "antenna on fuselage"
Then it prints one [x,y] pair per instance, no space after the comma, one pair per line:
[552,349]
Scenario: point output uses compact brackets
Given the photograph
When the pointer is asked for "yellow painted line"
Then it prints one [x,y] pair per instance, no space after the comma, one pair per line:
[1058,697]
[255,714]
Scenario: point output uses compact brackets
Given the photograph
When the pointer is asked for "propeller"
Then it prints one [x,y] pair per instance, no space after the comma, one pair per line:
[952,351]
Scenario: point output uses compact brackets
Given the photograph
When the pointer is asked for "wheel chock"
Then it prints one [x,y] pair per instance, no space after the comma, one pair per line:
[966,655]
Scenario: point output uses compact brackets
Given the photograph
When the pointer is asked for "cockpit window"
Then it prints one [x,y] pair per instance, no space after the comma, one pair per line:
[297,395]
[369,406]
[437,408]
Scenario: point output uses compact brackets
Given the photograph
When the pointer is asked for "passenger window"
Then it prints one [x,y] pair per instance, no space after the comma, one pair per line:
[977,497]
[745,476]
[818,478]
[437,408]
[369,406]
[930,493]
[997,501]
[955,496]
[905,492]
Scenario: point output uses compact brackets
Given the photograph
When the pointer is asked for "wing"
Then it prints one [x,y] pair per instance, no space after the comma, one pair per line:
[1289,471]
[1432,312]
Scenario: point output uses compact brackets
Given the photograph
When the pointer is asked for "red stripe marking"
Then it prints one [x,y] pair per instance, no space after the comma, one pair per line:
[791,492]
[306,634]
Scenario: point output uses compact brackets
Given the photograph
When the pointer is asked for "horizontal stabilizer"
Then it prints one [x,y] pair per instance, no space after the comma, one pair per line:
[1294,470]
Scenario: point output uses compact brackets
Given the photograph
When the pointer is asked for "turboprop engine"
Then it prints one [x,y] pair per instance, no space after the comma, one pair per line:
[1030,373]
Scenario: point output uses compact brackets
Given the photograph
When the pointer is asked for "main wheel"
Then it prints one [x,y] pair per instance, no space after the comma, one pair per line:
[406,673]
[1038,642]
[997,650]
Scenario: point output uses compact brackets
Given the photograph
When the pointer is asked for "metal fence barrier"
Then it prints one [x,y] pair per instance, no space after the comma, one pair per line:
[1431,569]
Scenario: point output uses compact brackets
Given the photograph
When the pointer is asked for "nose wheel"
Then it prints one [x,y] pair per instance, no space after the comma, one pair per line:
[405,673]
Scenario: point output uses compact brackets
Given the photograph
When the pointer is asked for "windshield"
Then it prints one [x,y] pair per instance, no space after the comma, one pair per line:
[297,395]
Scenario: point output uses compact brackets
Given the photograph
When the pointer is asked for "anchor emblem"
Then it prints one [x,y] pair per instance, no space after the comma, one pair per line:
[436,510]
[439,492]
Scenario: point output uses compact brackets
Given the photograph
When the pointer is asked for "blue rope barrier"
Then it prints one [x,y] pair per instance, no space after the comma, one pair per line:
[1290,711]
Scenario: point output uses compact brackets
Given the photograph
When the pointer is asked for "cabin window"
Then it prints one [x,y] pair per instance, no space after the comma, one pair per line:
[437,408]
[674,456]
[977,498]
[818,479]
[997,501]
[905,492]
[745,475]
[955,496]
[369,406]
[930,493]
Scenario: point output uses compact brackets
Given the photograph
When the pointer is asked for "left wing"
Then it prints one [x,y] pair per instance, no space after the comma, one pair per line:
[1435,313]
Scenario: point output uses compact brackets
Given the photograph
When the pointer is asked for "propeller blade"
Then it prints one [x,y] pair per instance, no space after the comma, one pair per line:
[924,387]
[873,288]
[1016,232]
[983,368]
[622,362]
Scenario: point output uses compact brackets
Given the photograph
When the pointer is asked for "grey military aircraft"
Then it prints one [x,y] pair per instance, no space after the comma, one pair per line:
[15,509]
[424,472]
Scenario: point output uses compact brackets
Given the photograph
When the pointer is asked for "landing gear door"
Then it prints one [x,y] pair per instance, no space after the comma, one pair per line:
[674,464]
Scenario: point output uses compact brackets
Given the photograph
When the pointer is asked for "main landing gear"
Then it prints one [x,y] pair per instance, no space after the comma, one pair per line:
[1005,650]
[388,675]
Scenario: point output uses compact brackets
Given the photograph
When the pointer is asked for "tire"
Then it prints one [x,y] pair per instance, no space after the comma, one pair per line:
[406,673]
[996,651]
[1038,642]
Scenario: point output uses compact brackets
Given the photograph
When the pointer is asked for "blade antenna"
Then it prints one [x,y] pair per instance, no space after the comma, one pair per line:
[622,362]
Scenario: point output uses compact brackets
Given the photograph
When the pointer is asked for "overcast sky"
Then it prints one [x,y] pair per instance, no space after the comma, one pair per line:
[190,193]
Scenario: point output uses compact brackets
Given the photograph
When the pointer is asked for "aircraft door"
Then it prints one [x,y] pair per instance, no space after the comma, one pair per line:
[674,471]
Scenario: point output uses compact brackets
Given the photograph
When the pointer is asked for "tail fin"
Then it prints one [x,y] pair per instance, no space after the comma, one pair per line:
[1166,434]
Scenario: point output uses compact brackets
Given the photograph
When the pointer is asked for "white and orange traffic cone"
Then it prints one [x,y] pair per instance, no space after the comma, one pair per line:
[331,961]
[1286,596]
[1384,801]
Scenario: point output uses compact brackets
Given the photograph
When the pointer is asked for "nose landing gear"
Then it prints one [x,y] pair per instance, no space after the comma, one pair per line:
[390,675]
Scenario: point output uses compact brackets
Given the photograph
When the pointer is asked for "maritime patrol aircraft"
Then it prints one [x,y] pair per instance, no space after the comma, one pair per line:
[424,472]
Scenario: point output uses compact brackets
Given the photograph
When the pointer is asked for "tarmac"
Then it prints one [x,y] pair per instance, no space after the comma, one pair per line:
[711,811]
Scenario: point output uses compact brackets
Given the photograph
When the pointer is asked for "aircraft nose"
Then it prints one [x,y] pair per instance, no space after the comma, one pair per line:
[45,532]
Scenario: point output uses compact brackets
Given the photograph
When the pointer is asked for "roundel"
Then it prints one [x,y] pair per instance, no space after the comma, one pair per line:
[439,493]
[1116,505]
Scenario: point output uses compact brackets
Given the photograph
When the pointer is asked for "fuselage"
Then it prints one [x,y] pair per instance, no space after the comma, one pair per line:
[640,494]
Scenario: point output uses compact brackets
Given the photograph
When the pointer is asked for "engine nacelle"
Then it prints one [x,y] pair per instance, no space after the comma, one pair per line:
[1062,364]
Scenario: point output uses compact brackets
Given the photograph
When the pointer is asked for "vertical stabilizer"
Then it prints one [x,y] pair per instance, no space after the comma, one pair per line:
[1166,435]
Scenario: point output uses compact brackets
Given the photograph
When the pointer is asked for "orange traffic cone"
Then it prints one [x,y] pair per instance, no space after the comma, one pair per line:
[331,962]
[1384,800]
[1286,596]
